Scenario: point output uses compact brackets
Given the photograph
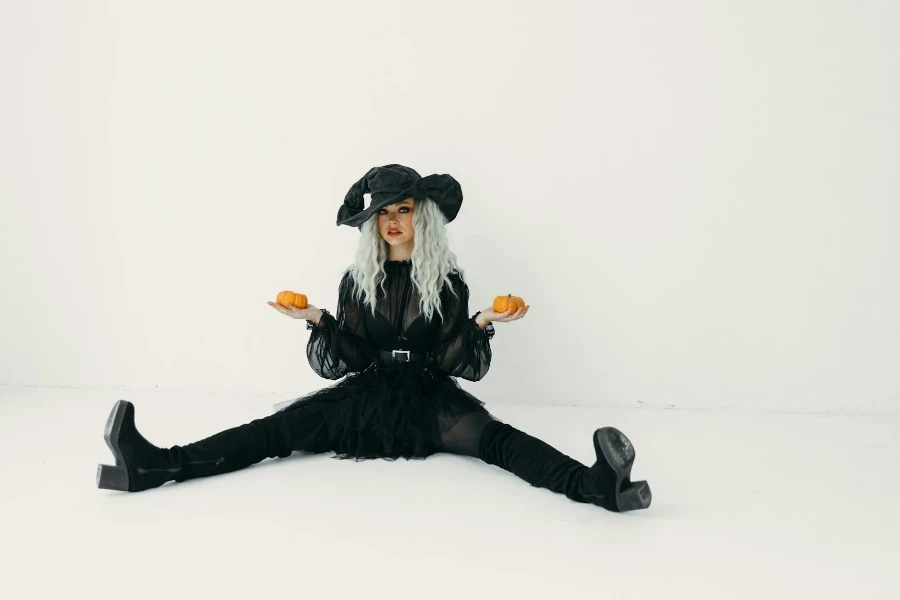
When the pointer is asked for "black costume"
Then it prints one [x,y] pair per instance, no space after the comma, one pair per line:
[391,407]
[399,397]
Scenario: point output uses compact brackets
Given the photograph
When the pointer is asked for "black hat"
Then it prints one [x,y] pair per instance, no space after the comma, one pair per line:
[393,183]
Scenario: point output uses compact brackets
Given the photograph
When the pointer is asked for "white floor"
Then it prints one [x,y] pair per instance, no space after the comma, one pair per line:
[744,506]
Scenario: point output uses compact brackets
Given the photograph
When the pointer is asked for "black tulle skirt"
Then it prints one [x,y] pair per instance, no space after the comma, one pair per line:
[387,413]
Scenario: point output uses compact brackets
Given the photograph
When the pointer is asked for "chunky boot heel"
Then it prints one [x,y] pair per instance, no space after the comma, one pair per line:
[615,457]
[112,478]
[635,497]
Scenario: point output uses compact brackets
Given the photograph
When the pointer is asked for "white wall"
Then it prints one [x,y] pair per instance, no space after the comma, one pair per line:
[698,199]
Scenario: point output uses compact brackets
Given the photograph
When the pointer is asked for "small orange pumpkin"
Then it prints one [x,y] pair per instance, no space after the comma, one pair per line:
[503,303]
[289,298]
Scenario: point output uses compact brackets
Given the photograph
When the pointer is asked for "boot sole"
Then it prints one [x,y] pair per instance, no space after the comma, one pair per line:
[619,453]
[115,477]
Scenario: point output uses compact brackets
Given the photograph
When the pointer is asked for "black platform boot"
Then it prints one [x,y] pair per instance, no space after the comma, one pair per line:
[607,483]
[140,465]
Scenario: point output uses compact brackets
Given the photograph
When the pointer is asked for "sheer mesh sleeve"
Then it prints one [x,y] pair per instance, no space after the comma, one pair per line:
[463,348]
[338,345]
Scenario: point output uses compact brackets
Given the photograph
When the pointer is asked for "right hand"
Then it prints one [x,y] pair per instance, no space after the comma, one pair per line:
[310,313]
[503,317]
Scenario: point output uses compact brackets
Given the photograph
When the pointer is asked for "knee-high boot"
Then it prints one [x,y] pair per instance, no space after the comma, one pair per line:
[607,483]
[140,465]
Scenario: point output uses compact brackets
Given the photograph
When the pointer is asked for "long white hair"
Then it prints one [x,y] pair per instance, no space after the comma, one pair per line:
[432,259]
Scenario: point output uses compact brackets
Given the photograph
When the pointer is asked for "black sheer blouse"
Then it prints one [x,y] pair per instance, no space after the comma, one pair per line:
[347,343]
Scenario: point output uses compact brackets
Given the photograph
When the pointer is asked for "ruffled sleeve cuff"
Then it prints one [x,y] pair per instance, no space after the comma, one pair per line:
[489,328]
[325,314]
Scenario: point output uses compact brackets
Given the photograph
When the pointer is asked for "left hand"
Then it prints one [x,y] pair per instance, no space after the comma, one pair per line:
[503,317]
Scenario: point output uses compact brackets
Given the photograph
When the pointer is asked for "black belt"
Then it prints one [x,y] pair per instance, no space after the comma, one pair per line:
[398,357]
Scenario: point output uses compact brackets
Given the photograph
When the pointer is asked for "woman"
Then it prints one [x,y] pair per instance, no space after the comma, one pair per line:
[401,336]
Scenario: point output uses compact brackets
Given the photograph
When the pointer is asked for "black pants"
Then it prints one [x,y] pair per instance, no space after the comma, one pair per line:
[476,434]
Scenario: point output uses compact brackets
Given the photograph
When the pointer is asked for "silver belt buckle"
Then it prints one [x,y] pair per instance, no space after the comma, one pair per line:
[394,354]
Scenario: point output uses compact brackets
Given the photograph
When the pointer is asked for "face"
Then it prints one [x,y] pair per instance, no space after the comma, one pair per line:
[397,217]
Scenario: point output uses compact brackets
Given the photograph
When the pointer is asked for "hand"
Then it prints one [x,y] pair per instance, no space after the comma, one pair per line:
[493,316]
[310,313]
